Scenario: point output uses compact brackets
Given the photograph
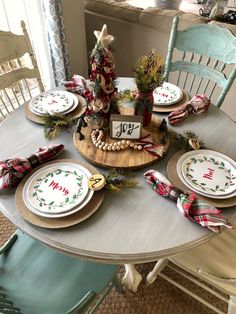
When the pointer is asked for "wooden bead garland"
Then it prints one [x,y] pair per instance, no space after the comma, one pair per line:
[97,136]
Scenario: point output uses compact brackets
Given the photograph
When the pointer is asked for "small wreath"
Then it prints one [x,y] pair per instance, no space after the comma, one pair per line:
[68,200]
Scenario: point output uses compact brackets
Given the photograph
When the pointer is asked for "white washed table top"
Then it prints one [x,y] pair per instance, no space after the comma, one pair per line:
[131,226]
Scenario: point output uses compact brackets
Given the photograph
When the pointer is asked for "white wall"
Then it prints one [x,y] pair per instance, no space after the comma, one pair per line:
[73,11]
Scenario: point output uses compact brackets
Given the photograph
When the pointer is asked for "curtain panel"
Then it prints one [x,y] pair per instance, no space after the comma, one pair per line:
[57,40]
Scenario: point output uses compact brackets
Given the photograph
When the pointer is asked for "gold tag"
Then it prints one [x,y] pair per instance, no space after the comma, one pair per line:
[96,182]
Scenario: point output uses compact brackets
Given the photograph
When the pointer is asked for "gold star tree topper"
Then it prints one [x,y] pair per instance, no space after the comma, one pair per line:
[103,37]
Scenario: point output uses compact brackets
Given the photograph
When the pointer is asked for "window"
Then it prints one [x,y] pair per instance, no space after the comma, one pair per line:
[11,13]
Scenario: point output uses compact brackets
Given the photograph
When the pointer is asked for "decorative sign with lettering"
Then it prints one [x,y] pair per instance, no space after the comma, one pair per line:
[57,189]
[210,174]
[125,126]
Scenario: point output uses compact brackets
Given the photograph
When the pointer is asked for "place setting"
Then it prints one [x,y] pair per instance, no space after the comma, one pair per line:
[57,194]
[169,97]
[210,174]
[54,103]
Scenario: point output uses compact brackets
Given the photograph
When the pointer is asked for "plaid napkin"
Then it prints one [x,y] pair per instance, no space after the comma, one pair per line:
[78,85]
[12,170]
[196,210]
[197,105]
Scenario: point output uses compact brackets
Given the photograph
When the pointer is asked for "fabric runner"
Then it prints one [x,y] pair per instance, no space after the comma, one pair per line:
[187,202]
[12,170]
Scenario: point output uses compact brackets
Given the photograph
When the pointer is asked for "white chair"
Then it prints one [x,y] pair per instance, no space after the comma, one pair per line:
[213,262]
[20,79]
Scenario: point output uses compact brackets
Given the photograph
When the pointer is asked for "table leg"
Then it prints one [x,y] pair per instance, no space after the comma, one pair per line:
[132,278]
[160,264]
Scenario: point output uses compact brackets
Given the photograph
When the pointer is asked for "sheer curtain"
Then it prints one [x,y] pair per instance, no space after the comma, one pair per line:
[57,40]
[44,22]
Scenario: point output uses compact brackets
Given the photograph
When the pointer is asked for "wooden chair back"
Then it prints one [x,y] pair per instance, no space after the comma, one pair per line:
[20,78]
[202,60]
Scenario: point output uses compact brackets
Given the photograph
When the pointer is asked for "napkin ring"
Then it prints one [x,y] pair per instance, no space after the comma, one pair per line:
[33,160]
[174,193]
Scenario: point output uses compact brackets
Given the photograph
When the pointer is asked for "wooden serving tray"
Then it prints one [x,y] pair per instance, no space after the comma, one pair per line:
[128,158]
[175,180]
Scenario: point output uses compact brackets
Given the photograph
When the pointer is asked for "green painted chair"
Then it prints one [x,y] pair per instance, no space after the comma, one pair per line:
[35,279]
[202,60]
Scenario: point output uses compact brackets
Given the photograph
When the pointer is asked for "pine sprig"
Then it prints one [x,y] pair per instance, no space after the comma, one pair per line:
[181,141]
[127,95]
[116,180]
[54,123]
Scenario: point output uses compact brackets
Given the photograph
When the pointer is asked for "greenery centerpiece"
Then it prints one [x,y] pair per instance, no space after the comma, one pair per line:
[148,74]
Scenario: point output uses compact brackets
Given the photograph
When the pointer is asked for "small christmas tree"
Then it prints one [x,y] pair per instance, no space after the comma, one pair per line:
[102,74]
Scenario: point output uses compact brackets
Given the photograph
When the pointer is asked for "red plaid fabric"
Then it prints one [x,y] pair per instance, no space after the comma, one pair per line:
[78,85]
[197,105]
[188,204]
[13,170]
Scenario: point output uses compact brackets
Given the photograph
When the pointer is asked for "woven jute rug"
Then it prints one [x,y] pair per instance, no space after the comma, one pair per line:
[159,298]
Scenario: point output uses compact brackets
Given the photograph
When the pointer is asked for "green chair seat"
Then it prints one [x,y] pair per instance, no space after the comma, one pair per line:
[40,280]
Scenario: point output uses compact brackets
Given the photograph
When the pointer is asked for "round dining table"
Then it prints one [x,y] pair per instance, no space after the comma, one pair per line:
[131,226]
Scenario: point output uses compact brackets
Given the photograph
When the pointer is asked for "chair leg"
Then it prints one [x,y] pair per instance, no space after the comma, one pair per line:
[232,305]
[8,244]
[151,277]
[101,298]
[118,285]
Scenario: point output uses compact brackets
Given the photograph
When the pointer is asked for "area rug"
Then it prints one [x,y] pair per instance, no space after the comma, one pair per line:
[159,298]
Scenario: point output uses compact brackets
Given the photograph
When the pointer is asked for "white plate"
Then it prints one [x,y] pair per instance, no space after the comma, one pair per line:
[167,94]
[70,212]
[75,104]
[60,214]
[86,173]
[209,173]
[57,189]
[198,188]
[55,101]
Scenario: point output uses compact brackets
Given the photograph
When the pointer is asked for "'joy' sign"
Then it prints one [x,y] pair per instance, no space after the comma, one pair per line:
[125,126]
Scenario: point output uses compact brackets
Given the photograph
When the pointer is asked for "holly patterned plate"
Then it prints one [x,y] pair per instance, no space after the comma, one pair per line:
[57,189]
[54,101]
[167,94]
[209,172]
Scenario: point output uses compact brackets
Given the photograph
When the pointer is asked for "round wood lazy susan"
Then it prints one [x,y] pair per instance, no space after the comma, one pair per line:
[128,158]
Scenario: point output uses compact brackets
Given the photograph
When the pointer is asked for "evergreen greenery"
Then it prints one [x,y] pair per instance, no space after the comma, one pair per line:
[54,123]
[116,180]
[148,72]
[182,140]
